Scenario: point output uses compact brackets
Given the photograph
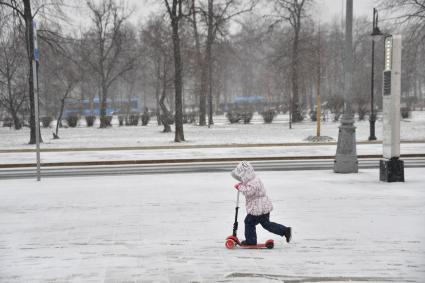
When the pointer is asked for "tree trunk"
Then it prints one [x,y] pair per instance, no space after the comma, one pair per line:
[59,119]
[203,94]
[68,90]
[103,105]
[178,83]
[16,122]
[421,92]
[210,40]
[30,52]
[217,99]
[318,102]
[226,88]
[165,115]
[202,71]
[12,109]
[158,89]
[295,108]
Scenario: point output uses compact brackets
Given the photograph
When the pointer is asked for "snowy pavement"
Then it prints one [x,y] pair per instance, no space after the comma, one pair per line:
[171,228]
[198,153]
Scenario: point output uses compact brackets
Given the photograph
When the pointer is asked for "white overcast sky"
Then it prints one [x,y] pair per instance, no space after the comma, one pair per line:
[326,10]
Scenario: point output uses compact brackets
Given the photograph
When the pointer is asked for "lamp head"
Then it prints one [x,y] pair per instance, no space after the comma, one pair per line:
[376,32]
[377,35]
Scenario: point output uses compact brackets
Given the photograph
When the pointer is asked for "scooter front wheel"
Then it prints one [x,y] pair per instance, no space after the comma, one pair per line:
[230,244]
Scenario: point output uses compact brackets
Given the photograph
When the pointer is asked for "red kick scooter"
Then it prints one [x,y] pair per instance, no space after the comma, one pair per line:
[233,241]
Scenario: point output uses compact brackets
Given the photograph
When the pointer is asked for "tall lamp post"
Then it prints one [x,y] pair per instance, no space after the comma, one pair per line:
[376,34]
[346,153]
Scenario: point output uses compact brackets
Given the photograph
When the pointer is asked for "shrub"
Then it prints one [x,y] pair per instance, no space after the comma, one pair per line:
[405,112]
[313,115]
[105,121]
[121,120]
[189,118]
[233,117]
[145,117]
[247,116]
[362,113]
[72,121]
[45,121]
[90,120]
[268,115]
[337,115]
[167,120]
[297,116]
[7,122]
[283,108]
[132,120]
[335,105]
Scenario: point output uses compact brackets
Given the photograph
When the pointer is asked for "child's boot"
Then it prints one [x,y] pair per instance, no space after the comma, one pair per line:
[288,234]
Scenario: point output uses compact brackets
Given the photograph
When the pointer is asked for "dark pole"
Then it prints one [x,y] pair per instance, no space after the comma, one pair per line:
[290,111]
[372,118]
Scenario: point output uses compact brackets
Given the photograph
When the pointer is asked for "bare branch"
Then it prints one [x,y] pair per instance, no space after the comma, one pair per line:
[14,7]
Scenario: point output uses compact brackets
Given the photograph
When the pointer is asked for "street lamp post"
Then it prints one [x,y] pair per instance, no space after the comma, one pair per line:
[346,153]
[376,33]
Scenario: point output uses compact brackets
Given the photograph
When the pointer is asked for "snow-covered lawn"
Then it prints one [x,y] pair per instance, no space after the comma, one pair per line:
[221,133]
[198,153]
[171,228]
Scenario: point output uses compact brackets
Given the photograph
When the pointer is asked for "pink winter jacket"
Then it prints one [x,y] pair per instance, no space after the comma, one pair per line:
[257,202]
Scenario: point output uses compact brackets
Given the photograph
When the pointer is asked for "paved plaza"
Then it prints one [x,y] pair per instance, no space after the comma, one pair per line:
[171,228]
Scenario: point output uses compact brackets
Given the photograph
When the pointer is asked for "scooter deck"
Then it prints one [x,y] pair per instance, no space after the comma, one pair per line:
[258,246]
[232,242]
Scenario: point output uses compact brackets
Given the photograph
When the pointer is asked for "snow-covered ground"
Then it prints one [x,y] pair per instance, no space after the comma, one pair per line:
[198,153]
[171,228]
[221,133]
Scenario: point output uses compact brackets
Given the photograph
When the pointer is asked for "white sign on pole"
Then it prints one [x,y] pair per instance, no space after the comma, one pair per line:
[391,168]
[391,97]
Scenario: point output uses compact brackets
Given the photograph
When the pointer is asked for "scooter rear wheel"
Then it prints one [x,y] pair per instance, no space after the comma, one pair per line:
[270,244]
[230,244]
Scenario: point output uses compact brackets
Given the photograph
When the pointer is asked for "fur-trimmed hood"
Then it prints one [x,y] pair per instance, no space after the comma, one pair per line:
[257,202]
[244,172]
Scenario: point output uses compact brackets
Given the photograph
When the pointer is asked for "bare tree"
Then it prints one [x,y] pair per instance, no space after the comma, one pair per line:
[60,75]
[175,12]
[200,73]
[408,11]
[108,52]
[156,39]
[410,15]
[166,116]
[361,50]
[294,11]
[24,10]
[12,73]
[215,16]
[225,58]
[251,57]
